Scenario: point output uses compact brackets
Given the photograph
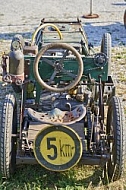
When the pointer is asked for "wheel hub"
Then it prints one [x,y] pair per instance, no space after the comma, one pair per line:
[58,66]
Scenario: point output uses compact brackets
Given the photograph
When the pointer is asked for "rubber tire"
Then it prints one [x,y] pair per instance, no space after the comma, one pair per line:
[125,19]
[58,45]
[106,49]
[7,142]
[116,116]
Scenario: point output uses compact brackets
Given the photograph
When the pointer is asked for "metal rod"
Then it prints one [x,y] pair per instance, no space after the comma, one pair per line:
[91,1]
[85,159]
[91,15]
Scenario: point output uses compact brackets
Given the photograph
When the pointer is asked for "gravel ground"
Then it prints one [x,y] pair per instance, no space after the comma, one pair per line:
[25,15]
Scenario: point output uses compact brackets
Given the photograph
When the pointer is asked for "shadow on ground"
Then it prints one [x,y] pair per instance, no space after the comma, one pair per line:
[94,31]
[9,36]
[119,4]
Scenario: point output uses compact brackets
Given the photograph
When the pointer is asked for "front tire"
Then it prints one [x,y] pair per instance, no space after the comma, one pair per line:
[116,128]
[7,141]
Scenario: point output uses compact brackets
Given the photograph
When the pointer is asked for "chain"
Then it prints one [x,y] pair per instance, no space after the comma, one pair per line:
[89,127]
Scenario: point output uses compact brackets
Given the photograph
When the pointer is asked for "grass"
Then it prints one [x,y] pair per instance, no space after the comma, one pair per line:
[122,77]
[34,177]
[80,177]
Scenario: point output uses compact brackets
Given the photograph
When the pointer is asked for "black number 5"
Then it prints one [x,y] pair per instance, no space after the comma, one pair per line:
[51,145]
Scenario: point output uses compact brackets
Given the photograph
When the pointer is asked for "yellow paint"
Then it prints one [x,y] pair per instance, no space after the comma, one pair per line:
[42,27]
[64,145]
[58,151]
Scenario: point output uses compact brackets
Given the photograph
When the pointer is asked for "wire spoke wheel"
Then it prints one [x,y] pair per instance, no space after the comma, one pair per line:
[7,140]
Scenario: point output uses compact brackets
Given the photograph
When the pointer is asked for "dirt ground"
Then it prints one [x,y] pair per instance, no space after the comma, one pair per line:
[24,16]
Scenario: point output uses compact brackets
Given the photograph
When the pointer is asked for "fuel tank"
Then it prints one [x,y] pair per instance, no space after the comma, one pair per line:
[16,62]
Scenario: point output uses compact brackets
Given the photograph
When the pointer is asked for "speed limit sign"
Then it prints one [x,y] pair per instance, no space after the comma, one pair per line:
[57,148]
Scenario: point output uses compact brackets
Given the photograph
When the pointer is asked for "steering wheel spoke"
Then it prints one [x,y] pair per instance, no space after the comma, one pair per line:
[48,61]
[68,73]
[52,77]
[64,56]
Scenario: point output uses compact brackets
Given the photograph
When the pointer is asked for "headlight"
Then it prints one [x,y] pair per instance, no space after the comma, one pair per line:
[17,42]
[15,45]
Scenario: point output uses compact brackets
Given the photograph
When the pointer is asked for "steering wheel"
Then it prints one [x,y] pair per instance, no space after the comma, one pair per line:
[43,26]
[58,66]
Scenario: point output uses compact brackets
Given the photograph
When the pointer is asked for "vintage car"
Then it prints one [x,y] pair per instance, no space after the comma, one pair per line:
[62,108]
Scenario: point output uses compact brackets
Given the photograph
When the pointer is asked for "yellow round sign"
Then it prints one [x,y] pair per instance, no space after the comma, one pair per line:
[57,148]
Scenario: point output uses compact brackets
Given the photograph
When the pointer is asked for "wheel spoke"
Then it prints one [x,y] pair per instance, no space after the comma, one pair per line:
[48,61]
[68,73]
[64,56]
[52,77]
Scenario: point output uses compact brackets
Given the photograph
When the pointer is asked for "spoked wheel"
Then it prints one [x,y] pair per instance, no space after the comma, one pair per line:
[8,129]
[116,128]
[106,49]
[57,67]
